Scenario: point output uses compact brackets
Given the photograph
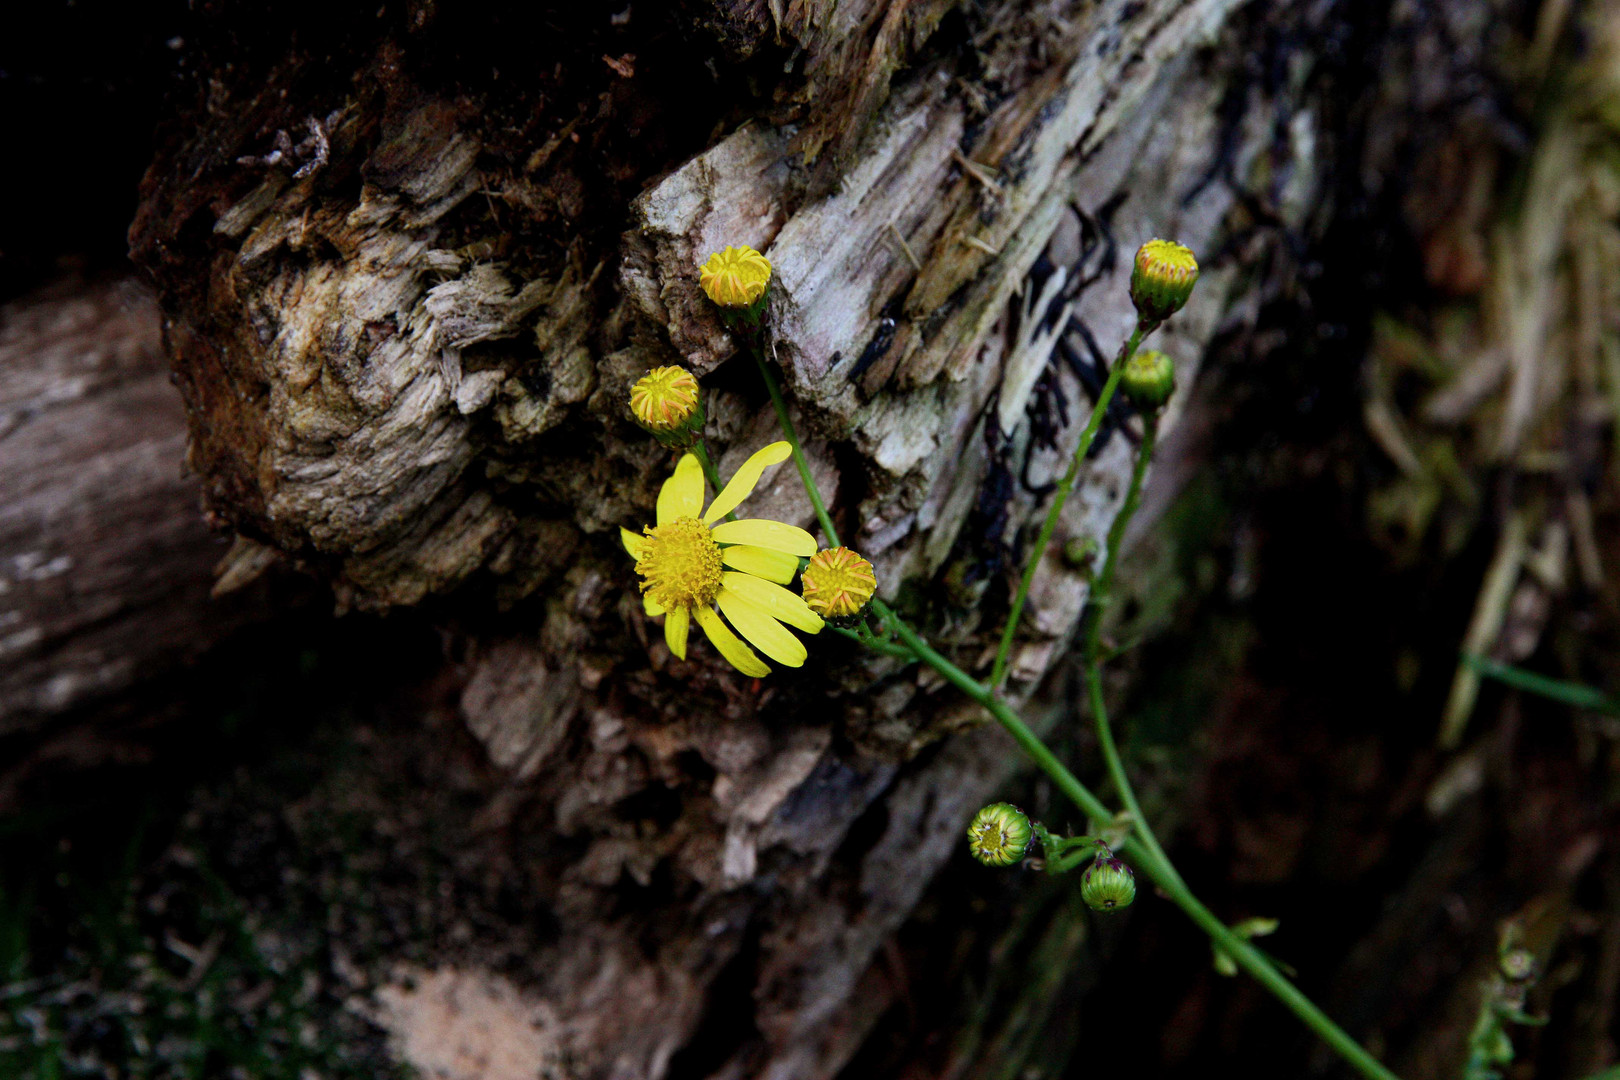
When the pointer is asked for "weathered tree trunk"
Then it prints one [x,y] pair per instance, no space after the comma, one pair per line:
[411,265]
[109,567]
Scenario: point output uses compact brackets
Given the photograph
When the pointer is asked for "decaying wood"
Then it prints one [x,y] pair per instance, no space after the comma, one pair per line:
[106,563]
[405,346]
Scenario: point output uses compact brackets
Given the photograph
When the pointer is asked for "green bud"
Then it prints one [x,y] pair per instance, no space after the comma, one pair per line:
[1108,884]
[667,403]
[1149,379]
[999,834]
[1162,279]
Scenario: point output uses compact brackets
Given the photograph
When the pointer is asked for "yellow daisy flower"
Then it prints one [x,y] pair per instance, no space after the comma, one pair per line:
[735,276]
[689,564]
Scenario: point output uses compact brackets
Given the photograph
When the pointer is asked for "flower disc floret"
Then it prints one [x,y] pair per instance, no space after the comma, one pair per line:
[680,563]
[1162,279]
[999,834]
[838,583]
[665,402]
[1107,884]
[735,276]
[1149,379]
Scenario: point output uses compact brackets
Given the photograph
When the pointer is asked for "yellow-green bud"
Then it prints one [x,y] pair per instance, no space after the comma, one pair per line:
[1162,279]
[1108,884]
[838,585]
[735,277]
[999,834]
[1149,379]
[666,402]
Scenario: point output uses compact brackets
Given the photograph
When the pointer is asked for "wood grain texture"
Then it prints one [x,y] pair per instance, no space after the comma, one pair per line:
[106,563]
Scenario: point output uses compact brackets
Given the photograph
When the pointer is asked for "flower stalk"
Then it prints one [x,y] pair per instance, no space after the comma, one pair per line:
[1157,868]
[998,671]
[1163,279]
[1148,860]
[1097,605]
[799,459]
[710,473]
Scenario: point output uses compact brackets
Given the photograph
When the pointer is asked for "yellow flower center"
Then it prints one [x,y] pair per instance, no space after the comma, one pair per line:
[1167,261]
[735,277]
[664,397]
[681,564]
[992,840]
[838,582]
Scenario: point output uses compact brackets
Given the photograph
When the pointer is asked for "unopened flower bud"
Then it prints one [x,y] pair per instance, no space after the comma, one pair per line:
[736,277]
[999,835]
[1149,379]
[838,584]
[1162,279]
[666,402]
[1107,884]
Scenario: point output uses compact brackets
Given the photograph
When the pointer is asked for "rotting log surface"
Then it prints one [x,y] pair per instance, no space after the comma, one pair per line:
[106,563]
[404,313]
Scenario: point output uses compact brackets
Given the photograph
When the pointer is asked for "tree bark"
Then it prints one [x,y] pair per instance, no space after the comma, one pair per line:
[108,566]
[405,301]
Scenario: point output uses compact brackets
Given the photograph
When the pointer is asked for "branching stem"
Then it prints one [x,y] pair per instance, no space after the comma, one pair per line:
[710,473]
[1146,854]
[998,671]
[1101,591]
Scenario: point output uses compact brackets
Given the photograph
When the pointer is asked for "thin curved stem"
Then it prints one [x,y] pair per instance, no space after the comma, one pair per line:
[1101,593]
[1149,859]
[899,652]
[1150,862]
[710,473]
[998,671]
[798,452]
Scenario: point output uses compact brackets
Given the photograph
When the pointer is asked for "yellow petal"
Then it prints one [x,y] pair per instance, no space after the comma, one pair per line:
[676,624]
[760,630]
[742,482]
[632,542]
[730,645]
[774,600]
[652,607]
[682,494]
[766,534]
[777,566]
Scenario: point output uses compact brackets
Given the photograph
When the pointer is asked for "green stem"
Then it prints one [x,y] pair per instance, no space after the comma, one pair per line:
[1101,590]
[1150,861]
[1576,695]
[1060,845]
[1062,864]
[710,473]
[798,452]
[897,651]
[998,672]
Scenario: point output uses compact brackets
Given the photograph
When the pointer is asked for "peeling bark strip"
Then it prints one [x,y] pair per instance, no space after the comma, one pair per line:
[405,348]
